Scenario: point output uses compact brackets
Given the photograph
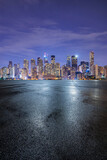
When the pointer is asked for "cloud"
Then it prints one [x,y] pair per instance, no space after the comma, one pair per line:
[24,42]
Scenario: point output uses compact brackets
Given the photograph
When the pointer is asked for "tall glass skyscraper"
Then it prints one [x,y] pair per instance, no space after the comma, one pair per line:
[52,59]
[92,63]
[68,64]
[45,58]
[26,65]
[32,66]
[74,62]
[39,65]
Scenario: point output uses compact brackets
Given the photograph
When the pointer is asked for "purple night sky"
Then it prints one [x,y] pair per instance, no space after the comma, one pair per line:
[28,28]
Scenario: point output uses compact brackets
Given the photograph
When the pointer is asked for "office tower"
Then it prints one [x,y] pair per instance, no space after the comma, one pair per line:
[53,65]
[12,72]
[52,59]
[86,63]
[15,69]
[64,72]
[100,71]
[24,73]
[84,66]
[1,74]
[34,73]
[39,66]
[47,69]
[68,64]
[18,66]
[80,68]
[57,70]
[74,62]
[33,65]
[72,73]
[96,71]
[45,58]
[10,64]
[105,71]
[26,65]
[92,63]
[18,71]
[5,72]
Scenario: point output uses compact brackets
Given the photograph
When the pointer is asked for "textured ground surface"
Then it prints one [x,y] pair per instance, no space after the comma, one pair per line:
[53,120]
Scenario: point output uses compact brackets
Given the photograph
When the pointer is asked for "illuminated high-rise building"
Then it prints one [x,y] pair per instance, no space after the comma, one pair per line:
[68,64]
[100,71]
[105,71]
[45,58]
[92,63]
[84,66]
[52,59]
[26,65]
[47,69]
[96,71]
[18,71]
[53,65]
[33,65]
[15,69]
[57,70]
[86,63]
[74,62]
[24,73]
[39,66]
[10,64]
[5,72]
[12,72]
[64,72]
[18,66]
[1,73]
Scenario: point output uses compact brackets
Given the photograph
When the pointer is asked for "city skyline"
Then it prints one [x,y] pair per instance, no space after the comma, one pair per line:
[28,28]
[49,59]
[46,59]
[47,68]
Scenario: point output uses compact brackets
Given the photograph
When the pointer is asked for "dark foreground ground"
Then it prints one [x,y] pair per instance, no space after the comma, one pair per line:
[53,120]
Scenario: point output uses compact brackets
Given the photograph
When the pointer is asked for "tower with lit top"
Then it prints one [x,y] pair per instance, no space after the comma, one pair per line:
[74,62]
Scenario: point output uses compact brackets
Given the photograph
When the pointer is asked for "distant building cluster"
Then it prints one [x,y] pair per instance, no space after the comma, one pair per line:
[53,71]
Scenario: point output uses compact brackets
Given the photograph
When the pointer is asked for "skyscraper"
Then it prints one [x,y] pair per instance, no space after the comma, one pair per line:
[96,71]
[18,66]
[32,66]
[26,65]
[57,69]
[24,73]
[53,65]
[10,64]
[52,59]
[68,64]
[105,71]
[74,62]
[47,69]
[92,63]
[1,73]
[39,66]
[45,58]
[15,69]
[5,72]
[84,66]
[100,71]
